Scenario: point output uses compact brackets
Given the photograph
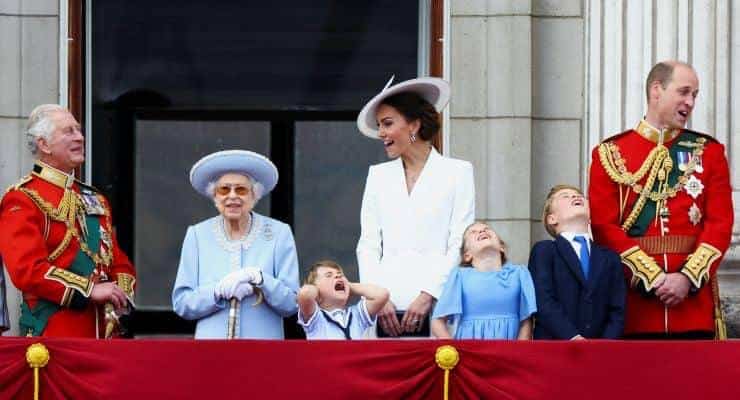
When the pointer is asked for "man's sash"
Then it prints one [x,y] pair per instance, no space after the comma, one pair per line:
[33,322]
[648,211]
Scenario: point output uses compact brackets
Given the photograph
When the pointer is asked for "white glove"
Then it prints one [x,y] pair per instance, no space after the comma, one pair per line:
[243,290]
[226,287]
[250,275]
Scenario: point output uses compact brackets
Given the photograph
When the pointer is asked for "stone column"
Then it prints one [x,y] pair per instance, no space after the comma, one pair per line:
[517,107]
[625,38]
[557,103]
[491,111]
[29,43]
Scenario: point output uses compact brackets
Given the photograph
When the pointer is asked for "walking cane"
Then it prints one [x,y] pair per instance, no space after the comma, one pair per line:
[231,327]
[234,304]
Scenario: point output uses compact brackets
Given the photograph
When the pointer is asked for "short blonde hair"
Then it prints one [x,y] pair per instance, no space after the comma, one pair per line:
[547,209]
[313,271]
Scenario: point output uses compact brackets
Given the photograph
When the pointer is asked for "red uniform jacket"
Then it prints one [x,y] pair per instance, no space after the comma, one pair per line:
[684,226]
[40,239]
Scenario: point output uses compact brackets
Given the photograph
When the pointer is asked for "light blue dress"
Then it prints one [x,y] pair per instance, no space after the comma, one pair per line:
[207,256]
[487,305]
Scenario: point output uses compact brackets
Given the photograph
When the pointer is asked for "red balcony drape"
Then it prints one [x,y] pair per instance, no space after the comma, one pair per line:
[385,369]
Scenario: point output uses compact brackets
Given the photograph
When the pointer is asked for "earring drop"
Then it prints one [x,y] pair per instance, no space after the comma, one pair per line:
[412,138]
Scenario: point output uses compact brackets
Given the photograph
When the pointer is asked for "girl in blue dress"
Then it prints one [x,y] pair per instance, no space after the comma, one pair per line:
[486,297]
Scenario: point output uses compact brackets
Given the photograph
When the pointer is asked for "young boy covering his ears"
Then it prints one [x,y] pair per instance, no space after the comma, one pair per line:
[322,304]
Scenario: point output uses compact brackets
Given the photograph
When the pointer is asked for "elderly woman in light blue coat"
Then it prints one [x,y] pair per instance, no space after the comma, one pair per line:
[238,254]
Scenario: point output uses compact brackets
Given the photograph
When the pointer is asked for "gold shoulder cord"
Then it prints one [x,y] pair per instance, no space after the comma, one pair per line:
[70,210]
[659,163]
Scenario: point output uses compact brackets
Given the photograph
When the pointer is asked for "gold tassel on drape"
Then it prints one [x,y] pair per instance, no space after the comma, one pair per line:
[37,356]
[447,358]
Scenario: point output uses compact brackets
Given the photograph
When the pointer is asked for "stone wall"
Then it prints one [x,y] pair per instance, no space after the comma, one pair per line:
[29,76]
[517,109]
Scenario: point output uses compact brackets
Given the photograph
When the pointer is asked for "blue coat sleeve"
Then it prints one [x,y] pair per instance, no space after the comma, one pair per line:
[550,312]
[280,287]
[527,299]
[191,300]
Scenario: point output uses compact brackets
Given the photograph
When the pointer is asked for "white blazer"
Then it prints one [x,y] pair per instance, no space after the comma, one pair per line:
[409,242]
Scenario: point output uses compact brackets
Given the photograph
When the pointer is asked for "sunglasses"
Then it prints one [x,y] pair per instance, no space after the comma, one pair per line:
[238,189]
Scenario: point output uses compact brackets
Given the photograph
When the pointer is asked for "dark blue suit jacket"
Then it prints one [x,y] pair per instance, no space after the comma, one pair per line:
[567,304]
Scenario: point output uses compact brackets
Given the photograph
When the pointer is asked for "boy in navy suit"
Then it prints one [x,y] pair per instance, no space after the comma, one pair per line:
[579,285]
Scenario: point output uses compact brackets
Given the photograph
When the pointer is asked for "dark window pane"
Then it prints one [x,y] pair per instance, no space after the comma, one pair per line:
[165,203]
[331,162]
[253,54]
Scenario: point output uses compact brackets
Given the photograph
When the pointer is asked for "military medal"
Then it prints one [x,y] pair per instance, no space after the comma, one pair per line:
[698,166]
[694,214]
[684,157]
[694,187]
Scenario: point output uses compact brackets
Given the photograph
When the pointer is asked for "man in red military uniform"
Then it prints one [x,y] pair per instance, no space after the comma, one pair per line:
[660,197]
[57,239]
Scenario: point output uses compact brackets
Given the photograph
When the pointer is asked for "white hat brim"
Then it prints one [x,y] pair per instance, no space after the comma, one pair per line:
[434,90]
[213,166]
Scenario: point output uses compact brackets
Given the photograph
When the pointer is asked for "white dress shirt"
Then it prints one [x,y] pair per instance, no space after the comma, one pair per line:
[569,236]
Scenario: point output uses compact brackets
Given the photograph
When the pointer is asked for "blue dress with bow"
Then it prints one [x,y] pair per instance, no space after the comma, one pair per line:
[487,305]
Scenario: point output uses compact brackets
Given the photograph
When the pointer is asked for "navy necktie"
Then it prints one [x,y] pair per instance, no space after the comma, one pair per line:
[585,260]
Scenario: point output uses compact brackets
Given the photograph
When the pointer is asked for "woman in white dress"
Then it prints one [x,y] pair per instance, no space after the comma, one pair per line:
[415,207]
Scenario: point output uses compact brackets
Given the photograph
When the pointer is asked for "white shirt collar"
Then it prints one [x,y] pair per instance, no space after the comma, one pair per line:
[339,315]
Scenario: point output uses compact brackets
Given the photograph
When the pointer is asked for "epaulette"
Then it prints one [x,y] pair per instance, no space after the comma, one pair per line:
[21,182]
[708,137]
[611,138]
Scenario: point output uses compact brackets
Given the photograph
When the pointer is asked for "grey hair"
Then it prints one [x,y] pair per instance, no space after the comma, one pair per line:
[40,125]
[257,188]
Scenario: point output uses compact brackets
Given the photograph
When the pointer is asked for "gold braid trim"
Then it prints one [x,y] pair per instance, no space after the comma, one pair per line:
[642,266]
[70,280]
[613,164]
[642,199]
[70,210]
[698,263]
[60,213]
[659,163]
[126,283]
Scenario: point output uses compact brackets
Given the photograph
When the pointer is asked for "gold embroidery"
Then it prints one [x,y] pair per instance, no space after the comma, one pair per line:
[653,134]
[126,283]
[70,279]
[71,211]
[642,266]
[53,175]
[659,163]
[698,263]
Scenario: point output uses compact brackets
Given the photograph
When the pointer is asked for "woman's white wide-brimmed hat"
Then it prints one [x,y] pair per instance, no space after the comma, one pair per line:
[434,90]
[211,167]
